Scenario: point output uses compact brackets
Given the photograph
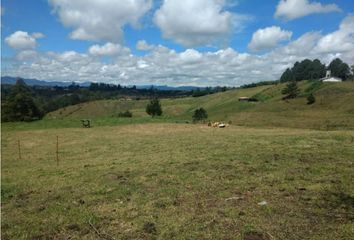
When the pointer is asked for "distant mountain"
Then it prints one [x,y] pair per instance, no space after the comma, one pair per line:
[35,82]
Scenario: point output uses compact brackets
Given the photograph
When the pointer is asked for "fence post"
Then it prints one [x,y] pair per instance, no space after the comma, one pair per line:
[19,149]
[57,152]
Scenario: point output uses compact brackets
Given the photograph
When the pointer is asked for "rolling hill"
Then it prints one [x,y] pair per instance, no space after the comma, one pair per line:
[333,109]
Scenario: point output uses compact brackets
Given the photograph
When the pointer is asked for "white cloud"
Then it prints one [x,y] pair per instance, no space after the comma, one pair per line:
[197,22]
[27,55]
[267,38]
[190,56]
[340,41]
[142,64]
[22,40]
[98,20]
[109,49]
[142,45]
[163,65]
[292,9]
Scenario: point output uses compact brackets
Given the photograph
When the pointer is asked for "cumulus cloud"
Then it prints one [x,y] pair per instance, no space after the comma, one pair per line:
[190,56]
[27,55]
[162,65]
[195,23]
[267,38]
[109,49]
[292,9]
[142,45]
[98,20]
[22,40]
[340,41]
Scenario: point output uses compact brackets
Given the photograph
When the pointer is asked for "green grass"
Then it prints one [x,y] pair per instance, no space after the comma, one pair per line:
[47,123]
[334,108]
[177,181]
[159,178]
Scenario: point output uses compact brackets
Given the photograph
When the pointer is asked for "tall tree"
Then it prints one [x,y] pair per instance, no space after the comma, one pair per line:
[339,69]
[318,70]
[287,76]
[304,70]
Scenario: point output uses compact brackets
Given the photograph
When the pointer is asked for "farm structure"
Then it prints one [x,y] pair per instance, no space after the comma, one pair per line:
[330,78]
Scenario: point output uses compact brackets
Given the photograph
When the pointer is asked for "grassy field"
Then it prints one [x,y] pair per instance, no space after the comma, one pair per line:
[176,181]
[333,110]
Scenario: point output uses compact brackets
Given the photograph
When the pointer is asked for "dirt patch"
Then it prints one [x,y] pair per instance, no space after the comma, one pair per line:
[255,236]
[150,228]
[73,227]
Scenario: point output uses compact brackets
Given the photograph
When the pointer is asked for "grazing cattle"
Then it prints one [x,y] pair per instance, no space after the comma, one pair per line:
[218,124]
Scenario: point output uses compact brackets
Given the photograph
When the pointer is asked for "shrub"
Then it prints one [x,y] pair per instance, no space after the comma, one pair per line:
[291,90]
[200,115]
[311,99]
[154,108]
[125,114]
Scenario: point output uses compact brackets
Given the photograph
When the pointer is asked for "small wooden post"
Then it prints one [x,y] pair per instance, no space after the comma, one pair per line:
[19,149]
[57,151]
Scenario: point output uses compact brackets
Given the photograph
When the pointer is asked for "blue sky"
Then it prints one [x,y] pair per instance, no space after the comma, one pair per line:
[173,42]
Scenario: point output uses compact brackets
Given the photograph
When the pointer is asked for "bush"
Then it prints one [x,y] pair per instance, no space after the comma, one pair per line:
[125,114]
[154,108]
[200,115]
[291,90]
[311,99]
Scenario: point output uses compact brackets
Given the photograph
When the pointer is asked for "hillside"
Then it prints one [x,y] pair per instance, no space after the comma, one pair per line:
[334,108]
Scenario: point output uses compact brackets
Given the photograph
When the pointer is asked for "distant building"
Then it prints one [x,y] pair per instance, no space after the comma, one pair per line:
[243,99]
[329,78]
[247,99]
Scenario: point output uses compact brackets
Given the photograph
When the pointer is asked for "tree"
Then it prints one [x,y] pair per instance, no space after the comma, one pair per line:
[20,105]
[291,90]
[311,99]
[318,70]
[199,115]
[304,70]
[154,108]
[287,76]
[352,70]
[339,69]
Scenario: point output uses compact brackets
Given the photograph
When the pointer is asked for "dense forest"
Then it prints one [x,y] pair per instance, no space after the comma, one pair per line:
[21,102]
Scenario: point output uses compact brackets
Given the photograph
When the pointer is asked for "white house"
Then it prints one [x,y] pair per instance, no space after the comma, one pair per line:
[329,78]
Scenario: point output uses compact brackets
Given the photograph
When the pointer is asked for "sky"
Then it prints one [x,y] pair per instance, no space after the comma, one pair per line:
[171,42]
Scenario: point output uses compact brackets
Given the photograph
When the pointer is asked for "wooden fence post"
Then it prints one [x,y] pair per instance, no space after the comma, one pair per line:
[57,151]
[19,149]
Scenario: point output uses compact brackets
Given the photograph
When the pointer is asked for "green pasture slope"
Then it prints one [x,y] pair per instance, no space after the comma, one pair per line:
[282,170]
[334,108]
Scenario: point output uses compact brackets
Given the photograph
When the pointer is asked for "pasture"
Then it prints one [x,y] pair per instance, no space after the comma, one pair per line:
[176,181]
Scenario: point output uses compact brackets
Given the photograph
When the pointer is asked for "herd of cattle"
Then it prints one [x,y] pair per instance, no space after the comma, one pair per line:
[218,124]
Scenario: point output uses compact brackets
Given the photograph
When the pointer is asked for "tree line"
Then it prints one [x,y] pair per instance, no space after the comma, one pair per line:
[314,69]
[21,102]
